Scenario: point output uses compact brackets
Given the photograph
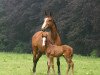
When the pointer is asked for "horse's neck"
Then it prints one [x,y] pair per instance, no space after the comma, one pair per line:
[55,35]
[54,32]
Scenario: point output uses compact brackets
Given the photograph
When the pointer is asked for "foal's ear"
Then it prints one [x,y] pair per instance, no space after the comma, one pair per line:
[46,35]
[42,35]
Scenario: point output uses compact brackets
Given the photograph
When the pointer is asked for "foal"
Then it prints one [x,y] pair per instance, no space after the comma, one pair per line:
[57,51]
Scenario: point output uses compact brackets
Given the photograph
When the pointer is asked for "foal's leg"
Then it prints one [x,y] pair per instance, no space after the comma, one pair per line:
[68,62]
[58,64]
[52,61]
[49,64]
[68,69]
[72,66]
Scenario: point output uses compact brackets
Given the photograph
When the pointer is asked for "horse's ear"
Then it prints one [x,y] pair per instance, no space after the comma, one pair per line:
[45,13]
[50,14]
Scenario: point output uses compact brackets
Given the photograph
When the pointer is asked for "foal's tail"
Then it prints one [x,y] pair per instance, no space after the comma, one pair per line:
[72,53]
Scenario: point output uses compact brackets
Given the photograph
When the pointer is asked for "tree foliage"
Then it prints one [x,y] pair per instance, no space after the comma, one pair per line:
[77,22]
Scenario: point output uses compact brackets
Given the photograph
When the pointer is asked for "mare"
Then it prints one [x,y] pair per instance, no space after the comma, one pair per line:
[49,23]
[57,51]
[37,48]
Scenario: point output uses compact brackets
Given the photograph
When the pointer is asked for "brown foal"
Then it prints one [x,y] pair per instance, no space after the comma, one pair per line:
[57,51]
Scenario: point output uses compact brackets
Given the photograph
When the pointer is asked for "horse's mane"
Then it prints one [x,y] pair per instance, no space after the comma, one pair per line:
[56,27]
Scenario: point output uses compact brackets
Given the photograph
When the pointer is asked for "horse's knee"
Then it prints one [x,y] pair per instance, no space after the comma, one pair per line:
[69,66]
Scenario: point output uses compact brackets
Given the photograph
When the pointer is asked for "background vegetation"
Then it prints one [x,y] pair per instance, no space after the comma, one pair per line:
[78,22]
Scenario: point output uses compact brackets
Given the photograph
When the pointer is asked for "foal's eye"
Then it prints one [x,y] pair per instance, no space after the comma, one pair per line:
[50,20]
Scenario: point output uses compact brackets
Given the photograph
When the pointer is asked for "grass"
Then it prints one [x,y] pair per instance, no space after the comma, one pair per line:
[21,64]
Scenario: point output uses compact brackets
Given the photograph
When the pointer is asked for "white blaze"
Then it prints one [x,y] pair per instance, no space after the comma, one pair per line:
[44,24]
[44,41]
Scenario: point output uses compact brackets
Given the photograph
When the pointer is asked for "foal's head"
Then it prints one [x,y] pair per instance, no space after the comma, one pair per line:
[44,39]
[48,22]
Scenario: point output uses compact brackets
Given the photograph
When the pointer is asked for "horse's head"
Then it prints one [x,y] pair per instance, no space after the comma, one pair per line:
[48,21]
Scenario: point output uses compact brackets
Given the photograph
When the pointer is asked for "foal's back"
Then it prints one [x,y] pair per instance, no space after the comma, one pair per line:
[68,50]
[56,51]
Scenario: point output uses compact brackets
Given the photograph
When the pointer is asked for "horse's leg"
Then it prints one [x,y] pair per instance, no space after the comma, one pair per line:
[58,64]
[49,64]
[35,59]
[52,61]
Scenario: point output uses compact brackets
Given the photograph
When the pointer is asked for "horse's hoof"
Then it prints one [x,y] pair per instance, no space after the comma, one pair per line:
[59,73]
[34,73]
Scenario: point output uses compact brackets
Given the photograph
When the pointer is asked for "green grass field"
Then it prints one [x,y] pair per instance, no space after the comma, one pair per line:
[21,64]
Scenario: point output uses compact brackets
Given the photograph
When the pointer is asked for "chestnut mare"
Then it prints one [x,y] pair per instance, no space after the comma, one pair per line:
[53,35]
[57,51]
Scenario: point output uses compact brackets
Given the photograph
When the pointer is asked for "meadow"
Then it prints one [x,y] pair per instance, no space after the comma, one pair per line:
[21,64]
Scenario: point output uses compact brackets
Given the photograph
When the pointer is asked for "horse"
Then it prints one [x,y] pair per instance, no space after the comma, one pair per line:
[37,49]
[57,51]
[49,23]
